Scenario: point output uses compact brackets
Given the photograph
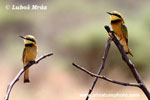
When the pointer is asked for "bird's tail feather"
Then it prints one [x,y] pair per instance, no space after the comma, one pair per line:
[26,76]
[127,50]
[130,53]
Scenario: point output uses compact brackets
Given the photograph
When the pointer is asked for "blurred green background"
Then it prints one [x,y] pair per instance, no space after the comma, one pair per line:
[74,32]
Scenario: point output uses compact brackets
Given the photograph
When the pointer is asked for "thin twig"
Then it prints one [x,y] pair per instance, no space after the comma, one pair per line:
[10,86]
[107,46]
[129,63]
[105,78]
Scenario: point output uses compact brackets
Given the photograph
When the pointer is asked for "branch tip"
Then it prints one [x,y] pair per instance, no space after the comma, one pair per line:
[10,86]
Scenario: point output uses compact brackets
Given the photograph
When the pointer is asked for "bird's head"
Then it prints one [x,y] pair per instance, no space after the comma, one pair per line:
[29,39]
[114,15]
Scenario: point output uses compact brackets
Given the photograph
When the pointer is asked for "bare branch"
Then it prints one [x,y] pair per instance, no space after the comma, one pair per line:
[101,67]
[105,78]
[10,86]
[128,62]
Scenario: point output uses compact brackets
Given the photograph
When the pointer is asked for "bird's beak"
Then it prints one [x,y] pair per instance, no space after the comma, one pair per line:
[109,13]
[22,37]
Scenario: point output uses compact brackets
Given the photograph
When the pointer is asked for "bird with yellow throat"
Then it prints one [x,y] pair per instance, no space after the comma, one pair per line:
[29,53]
[120,30]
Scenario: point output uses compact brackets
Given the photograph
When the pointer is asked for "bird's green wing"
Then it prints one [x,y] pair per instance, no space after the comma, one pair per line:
[125,31]
[23,54]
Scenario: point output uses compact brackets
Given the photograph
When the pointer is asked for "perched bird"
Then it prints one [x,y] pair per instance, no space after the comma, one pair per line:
[120,30]
[29,53]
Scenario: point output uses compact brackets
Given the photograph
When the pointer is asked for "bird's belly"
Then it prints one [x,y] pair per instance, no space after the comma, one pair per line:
[30,54]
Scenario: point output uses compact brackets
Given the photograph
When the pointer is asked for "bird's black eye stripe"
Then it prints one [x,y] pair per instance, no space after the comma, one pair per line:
[117,15]
[30,39]
[29,45]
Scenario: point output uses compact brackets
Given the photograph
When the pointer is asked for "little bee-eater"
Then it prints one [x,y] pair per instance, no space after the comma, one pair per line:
[120,30]
[29,53]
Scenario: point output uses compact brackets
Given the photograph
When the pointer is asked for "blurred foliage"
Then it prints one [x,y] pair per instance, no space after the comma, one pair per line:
[74,30]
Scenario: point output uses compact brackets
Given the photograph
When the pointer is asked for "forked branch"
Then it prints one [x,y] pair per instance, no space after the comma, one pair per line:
[139,84]
[128,62]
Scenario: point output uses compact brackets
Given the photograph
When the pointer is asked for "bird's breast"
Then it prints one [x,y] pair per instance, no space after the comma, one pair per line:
[117,29]
[30,53]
